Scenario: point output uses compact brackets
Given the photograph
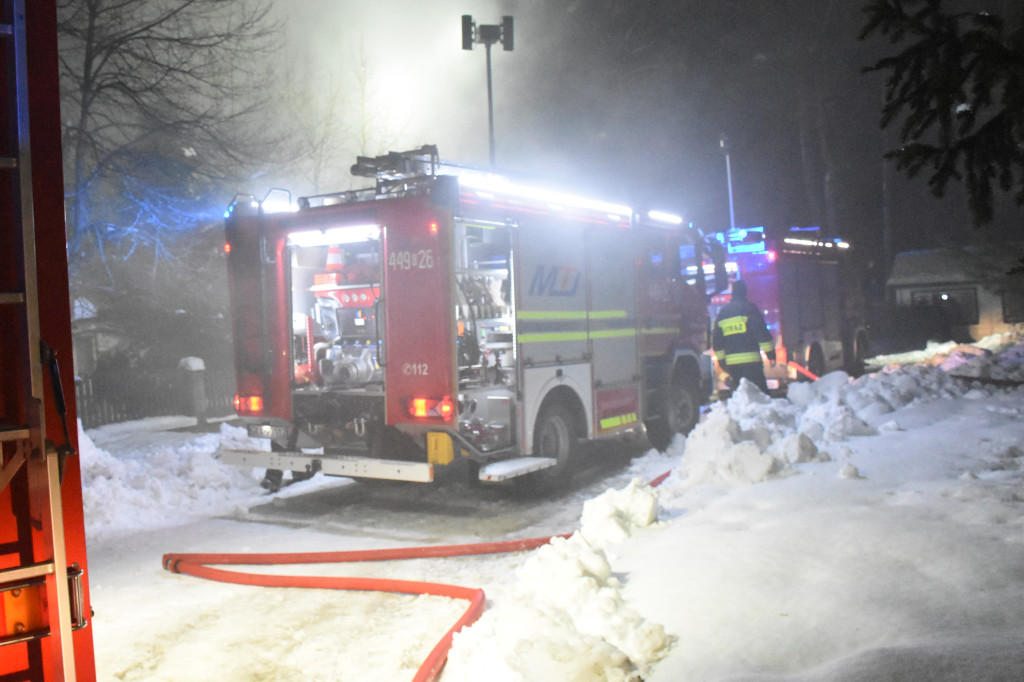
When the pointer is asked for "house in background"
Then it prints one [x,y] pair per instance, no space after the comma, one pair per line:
[978,291]
[93,339]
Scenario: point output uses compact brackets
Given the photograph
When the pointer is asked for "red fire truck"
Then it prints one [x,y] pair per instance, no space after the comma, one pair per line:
[812,302]
[459,317]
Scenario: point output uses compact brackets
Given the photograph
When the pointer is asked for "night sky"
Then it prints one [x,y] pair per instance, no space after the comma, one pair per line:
[628,100]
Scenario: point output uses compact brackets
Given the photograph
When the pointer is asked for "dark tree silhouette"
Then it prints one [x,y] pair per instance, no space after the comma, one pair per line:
[957,83]
[159,99]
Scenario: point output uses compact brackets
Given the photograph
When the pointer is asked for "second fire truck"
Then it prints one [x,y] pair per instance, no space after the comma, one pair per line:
[807,288]
[441,318]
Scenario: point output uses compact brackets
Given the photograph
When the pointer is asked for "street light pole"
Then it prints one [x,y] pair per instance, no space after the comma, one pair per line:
[723,141]
[490,105]
[488,35]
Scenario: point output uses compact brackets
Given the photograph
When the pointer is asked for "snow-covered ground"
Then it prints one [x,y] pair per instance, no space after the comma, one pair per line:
[867,529]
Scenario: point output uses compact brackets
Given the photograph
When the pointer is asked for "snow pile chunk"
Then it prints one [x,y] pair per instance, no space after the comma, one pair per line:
[832,421]
[610,517]
[760,418]
[237,438]
[798,448]
[720,452]
[753,438]
[165,488]
[1008,365]
[574,577]
[527,644]
[566,618]
[997,356]
[849,471]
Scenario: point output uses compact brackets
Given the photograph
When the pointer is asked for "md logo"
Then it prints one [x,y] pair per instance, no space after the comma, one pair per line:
[555,280]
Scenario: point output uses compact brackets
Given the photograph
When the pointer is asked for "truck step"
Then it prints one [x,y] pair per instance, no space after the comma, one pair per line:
[510,468]
[331,464]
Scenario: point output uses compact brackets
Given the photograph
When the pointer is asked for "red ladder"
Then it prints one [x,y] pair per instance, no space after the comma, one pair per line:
[40,596]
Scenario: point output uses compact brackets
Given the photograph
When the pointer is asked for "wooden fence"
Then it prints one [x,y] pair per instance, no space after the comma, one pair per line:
[126,394]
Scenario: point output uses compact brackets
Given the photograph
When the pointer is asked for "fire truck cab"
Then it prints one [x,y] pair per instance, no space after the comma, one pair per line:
[811,300]
[441,318]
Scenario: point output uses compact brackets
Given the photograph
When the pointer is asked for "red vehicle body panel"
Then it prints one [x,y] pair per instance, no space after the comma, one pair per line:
[18,538]
[419,337]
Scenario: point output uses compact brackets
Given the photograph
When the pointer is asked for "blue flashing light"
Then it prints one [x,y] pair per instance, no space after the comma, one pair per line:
[743,240]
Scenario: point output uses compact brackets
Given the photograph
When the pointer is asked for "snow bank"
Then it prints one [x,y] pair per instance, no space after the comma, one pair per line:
[166,487]
[997,356]
[565,617]
[565,613]
[753,438]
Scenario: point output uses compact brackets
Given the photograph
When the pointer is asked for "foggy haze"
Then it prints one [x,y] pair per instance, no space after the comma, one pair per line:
[628,101]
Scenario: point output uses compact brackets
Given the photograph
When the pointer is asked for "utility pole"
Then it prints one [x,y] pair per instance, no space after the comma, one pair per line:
[487,35]
[723,141]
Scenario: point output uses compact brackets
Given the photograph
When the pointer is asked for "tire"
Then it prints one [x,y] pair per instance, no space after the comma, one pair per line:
[679,412]
[555,436]
[860,355]
[816,361]
[682,408]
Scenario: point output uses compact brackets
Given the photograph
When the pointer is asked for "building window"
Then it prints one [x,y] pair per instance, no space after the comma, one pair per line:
[959,305]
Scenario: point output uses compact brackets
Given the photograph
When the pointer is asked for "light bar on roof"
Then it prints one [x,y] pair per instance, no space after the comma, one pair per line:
[665,217]
[835,243]
[488,185]
[335,235]
[278,201]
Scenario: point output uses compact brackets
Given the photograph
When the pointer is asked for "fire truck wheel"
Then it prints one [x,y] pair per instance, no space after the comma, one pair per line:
[555,436]
[816,361]
[860,355]
[680,413]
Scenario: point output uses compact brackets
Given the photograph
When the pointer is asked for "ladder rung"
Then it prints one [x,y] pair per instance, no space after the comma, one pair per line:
[29,618]
[12,577]
[8,162]
[11,297]
[6,30]
[10,432]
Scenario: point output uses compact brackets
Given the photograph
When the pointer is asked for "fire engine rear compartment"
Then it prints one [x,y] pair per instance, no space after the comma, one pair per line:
[449,320]
[336,335]
[338,397]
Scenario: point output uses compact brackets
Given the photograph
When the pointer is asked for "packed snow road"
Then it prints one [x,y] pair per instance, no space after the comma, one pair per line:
[449,511]
[857,529]
[155,489]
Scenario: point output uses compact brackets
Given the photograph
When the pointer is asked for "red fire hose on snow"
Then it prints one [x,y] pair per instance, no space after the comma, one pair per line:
[199,565]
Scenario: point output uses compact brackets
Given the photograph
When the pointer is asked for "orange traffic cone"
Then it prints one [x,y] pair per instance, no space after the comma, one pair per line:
[334,258]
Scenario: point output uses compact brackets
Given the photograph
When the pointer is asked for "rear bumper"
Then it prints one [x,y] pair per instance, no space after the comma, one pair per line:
[331,464]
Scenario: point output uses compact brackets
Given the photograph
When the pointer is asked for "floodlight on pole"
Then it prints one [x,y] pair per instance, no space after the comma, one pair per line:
[723,141]
[487,35]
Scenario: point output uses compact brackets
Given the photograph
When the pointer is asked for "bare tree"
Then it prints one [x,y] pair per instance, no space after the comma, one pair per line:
[158,100]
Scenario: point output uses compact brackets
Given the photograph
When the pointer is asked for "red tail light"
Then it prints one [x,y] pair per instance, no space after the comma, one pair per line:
[432,408]
[418,407]
[447,408]
[249,404]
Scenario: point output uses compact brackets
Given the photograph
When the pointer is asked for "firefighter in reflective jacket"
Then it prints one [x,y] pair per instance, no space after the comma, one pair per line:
[740,335]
